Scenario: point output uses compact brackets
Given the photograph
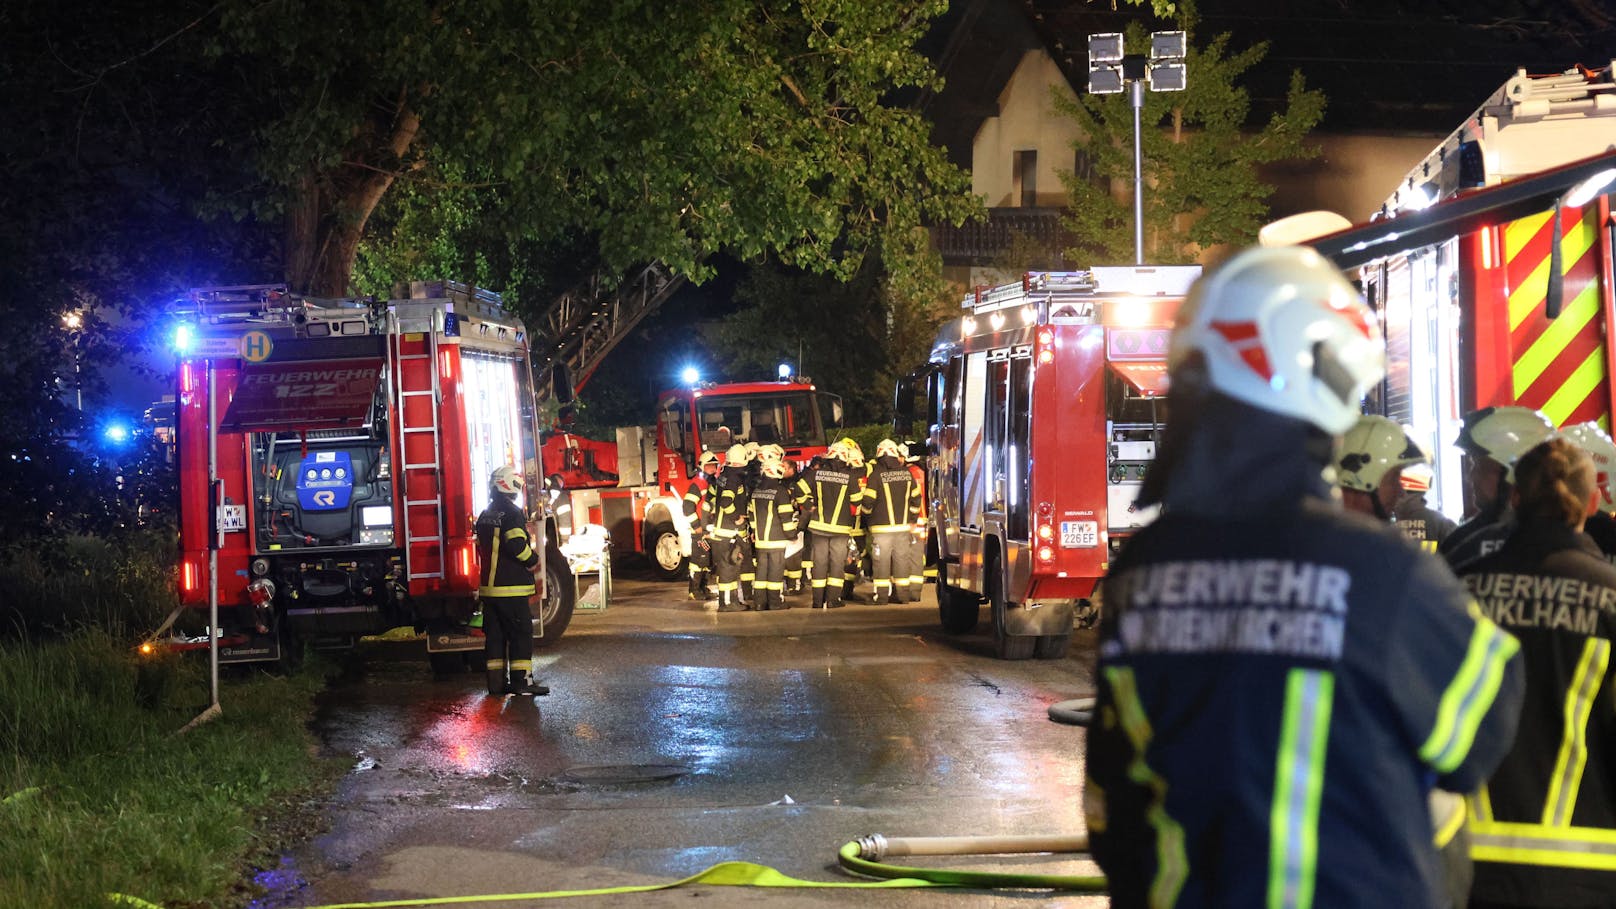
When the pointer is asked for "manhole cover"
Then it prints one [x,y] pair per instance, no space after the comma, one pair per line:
[621,774]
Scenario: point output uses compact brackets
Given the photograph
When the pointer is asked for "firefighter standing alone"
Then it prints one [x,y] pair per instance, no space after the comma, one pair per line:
[507,561]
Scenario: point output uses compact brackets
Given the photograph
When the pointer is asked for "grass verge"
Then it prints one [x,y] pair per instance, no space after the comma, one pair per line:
[98,794]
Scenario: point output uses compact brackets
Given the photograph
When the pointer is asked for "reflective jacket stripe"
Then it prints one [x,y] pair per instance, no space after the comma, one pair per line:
[1293,821]
[1172,866]
[1534,844]
[519,533]
[519,590]
[1573,756]
[823,527]
[1470,695]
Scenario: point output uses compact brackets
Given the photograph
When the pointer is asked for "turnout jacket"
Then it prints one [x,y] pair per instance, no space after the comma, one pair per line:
[1280,685]
[504,555]
[774,513]
[834,492]
[1543,829]
[1478,537]
[698,502]
[730,494]
[1420,522]
[892,497]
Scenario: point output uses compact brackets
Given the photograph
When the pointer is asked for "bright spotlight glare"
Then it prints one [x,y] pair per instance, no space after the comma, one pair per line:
[184,339]
[118,433]
[690,375]
[785,370]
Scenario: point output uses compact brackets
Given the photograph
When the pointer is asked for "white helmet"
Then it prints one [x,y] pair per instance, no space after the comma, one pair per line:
[887,448]
[1602,451]
[706,458]
[1283,330]
[1503,434]
[1372,448]
[737,456]
[774,468]
[771,453]
[507,481]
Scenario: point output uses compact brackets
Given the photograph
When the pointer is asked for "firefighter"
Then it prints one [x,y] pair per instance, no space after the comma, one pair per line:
[1544,827]
[916,557]
[507,561]
[1415,517]
[833,491]
[748,551]
[892,504]
[698,509]
[729,493]
[1370,464]
[857,539]
[773,506]
[1492,439]
[1280,683]
[1600,526]
[795,550]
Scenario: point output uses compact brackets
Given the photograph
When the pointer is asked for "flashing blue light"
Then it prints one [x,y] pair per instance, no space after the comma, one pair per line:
[785,370]
[690,375]
[184,339]
[117,433]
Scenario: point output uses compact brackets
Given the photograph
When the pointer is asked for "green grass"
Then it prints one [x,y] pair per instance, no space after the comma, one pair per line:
[99,795]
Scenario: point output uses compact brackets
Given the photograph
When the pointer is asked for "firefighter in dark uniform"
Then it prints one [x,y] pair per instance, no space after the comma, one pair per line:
[893,504]
[774,526]
[915,559]
[794,548]
[1543,831]
[748,553]
[1415,517]
[698,509]
[1280,683]
[1600,526]
[507,562]
[729,493]
[1492,439]
[858,540]
[834,491]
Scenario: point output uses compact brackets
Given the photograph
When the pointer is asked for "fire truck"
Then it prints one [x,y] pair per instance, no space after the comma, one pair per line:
[1491,267]
[332,457]
[635,488]
[1042,418]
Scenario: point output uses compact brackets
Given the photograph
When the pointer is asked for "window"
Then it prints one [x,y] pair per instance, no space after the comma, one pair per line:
[1025,178]
[790,420]
[1017,454]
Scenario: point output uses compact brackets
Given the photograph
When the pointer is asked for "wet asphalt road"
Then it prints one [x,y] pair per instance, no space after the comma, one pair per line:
[675,738]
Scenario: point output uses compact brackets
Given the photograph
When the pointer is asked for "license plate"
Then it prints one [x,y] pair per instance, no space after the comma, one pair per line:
[1080,534]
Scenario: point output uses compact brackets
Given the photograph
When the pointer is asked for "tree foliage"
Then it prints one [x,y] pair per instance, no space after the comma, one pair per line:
[1201,157]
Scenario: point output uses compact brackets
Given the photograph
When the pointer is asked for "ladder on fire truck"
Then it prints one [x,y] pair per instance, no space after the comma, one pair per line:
[582,325]
[421,444]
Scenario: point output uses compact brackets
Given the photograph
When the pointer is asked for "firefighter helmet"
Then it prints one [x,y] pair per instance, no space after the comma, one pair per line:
[737,456]
[1602,451]
[507,481]
[1372,448]
[774,468]
[771,453]
[1417,477]
[707,457]
[1503,434]
[752,449]
[1283,330]
[887,448]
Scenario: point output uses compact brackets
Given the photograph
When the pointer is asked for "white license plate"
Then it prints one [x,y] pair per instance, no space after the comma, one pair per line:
[1080,534]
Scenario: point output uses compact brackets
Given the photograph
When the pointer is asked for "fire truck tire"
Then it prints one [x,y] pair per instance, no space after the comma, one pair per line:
[958,609]
[662,549]
[561,593]
[1051,646]
[1006,646]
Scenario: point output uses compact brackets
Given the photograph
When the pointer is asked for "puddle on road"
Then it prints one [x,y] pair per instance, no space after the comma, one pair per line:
[619,775]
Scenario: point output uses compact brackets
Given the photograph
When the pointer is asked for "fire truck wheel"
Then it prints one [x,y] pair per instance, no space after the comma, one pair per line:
[662,548]
[1051,646]
[958,609]
[560,594]
[1006,646]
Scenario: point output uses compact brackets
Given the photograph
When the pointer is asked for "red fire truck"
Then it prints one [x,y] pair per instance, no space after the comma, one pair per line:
[1042,414]
[639,498]
[333,455]
[1512,303]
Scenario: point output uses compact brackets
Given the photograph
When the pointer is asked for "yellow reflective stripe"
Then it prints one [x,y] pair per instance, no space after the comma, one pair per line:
[889,528]
[496,664]
[1573,756]
[517,590]
[1172,866]
[1470,695]
[1293,819]
[1573,318]
[1481,804]
[522,665]
[514,532]
[890,501]
[493,558]
[1576,239]
[1534,844]
[1428,545]
[1576,387]
[823,527]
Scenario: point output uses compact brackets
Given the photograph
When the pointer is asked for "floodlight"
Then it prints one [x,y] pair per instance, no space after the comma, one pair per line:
[184,339]
[690,375]
[1168,45]
[1105,80]
[785,370]
[1105,48]
[1585,191]
[1167,77]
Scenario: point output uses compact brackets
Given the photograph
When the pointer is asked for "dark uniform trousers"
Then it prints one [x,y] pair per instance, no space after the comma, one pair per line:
[771,573]
[508,638]
[827,552]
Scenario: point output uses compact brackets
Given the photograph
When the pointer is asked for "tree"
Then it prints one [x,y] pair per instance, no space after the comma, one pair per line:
[1202,188]
[726,125]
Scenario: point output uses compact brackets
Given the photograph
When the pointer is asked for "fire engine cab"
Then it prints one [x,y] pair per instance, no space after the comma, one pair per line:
[636,488]
[1515,306]
[1043,401]
[333,455]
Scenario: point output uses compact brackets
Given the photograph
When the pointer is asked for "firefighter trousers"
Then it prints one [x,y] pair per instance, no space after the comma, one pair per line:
[508,641]
[888,549]
[907,556]
[828,554]
[748,568]
[726,555]
[794,568]
[771,574]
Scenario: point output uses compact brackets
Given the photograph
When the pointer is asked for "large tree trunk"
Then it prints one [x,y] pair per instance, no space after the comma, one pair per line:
[326,220]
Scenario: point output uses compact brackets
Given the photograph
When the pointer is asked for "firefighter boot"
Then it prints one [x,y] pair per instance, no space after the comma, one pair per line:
[850,592]
[819,596]
[496,681]
[880,596]
[747,595]
[522,684]
[695,590]
[777,600]
[730,601]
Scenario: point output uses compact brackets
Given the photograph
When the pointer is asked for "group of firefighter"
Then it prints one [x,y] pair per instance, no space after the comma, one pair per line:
[746,514]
